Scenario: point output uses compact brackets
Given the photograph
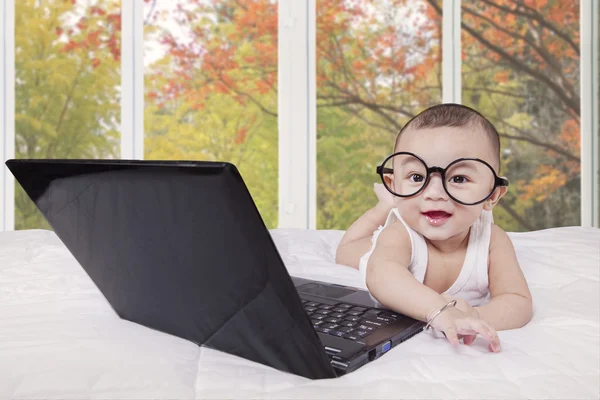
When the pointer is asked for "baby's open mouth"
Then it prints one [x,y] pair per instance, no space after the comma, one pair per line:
[436,218]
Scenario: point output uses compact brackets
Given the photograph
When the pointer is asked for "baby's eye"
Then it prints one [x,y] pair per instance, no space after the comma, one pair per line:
[458,179]
[416,178]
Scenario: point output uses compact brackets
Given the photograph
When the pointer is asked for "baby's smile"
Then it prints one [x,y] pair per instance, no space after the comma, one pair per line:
[436,217]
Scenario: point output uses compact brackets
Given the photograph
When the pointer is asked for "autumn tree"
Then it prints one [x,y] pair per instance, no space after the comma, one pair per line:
[213,94]
[521,67]
[66,89]
[378,64]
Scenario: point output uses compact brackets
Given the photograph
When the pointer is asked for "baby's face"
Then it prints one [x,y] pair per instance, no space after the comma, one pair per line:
[432,212]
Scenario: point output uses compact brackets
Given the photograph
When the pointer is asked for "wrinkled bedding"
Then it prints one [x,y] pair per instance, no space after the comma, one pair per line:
[59,337]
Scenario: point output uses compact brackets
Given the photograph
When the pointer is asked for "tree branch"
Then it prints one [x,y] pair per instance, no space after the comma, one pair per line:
[539,143]
[515,216]
[501,92]
[357,114]
[536,16]
[546,56]
[63,112]
[572,103]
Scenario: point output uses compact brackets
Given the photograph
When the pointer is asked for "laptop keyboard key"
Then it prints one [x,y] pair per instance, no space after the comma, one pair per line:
[347,320]
[376,324]
[366,328]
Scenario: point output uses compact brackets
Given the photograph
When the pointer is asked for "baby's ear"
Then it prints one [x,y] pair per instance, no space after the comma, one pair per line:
[490,203]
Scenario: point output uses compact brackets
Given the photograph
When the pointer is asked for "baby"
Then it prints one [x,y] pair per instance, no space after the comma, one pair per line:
[429,248]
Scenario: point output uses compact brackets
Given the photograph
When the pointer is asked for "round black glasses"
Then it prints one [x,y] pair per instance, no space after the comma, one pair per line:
[468,181]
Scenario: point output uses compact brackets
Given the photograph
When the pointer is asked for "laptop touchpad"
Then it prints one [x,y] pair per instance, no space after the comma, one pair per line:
[332,292]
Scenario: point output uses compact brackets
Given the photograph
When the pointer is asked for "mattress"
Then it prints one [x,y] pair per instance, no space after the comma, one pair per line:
[59,337]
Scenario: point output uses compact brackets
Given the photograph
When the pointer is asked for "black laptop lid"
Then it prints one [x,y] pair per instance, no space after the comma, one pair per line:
[179,247]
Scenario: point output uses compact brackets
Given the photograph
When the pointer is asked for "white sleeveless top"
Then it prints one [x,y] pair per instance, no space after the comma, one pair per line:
[472,282]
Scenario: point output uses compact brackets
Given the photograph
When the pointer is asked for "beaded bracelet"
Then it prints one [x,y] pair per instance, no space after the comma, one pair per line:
[438,312]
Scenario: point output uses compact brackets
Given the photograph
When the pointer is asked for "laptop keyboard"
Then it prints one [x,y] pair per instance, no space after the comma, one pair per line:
[347,320]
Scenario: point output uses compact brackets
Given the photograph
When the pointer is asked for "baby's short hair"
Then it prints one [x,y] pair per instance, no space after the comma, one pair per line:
[453,115]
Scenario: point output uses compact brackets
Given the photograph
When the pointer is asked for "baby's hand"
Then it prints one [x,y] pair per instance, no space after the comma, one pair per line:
[463,306]
[386,199]
[454,323]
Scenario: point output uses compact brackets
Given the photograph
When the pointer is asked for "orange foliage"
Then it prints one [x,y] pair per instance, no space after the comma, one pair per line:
[241,135]
[502,76]
[570,136]
[89,38]
[550,179]
[361,54]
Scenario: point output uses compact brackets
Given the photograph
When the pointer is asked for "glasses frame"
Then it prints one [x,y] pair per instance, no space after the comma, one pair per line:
[498,181]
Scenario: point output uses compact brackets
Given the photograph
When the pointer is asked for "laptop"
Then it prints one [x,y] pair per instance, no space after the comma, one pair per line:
[180,247]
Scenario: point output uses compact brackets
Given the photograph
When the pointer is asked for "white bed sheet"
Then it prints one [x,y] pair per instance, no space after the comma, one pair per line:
[59,338]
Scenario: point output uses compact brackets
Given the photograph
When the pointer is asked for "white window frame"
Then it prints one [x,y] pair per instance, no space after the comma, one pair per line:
[132,79]
[451,48]
[588,17]
[296,108]
[296,102]
[7,113]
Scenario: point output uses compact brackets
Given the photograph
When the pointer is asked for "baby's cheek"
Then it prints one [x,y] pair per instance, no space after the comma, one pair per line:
[409,212]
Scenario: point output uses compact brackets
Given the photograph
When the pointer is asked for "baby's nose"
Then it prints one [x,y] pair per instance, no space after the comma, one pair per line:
[435,189]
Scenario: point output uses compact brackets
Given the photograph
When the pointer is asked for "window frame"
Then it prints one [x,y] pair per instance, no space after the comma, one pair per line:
[7,113]
[296,113]
[590,170]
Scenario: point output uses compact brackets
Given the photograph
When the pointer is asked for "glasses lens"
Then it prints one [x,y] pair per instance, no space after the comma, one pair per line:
[404,174]
[469,181]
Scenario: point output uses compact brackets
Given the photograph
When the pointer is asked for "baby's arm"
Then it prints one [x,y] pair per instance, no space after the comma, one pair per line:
[392,284]
[357,239]
[390,281]
[511,303]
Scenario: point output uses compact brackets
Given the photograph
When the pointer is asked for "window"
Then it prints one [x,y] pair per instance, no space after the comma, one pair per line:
[344,75]
[521,70]
[67,78]
[211,88]
[378,64]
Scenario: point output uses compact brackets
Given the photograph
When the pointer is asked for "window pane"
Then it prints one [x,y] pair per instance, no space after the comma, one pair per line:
[378,64]
[521,70]
[67,77]
[211,88]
